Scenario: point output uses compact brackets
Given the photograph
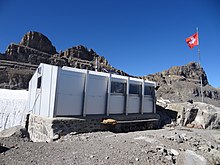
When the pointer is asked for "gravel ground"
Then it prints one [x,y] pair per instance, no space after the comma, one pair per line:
[163,146]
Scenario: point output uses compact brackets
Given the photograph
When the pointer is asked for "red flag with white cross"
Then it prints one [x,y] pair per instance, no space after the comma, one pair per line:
[193,40]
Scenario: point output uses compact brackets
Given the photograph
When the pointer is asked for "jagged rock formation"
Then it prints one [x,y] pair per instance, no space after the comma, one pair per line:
[21,53]
[15,75]
[190,72]
[81,57]
[182,83]
[35,48]
[38,41]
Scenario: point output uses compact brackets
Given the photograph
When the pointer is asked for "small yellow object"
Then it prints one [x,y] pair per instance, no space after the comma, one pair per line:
[109,121]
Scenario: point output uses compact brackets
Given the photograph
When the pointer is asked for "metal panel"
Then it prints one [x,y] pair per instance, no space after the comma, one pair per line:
[148,104]
[108,97]
[96,94]
[116,105]
[85,93]
[127,96]
[142,98]
[45,90]
[32,91]
[133,104]
[54,75]
[62,93]
[69,93]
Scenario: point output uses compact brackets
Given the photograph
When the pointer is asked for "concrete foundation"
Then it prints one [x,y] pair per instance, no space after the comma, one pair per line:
[42,129]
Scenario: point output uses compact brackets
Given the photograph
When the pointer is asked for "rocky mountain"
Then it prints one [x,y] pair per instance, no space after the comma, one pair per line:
[18,63]
[183,83]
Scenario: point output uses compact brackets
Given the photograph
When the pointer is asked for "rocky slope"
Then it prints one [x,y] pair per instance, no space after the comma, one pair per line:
[176,145]
[182,83]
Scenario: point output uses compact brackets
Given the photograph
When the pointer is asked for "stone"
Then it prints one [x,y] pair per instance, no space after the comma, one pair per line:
[204,148]
[18,131]
[189,125]
[55,137]
[168,157]
[193,158]
[190,116]
[198,115]
[174,152]
[136,159]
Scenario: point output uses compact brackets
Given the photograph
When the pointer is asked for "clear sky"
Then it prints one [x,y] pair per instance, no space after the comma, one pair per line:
[139,37]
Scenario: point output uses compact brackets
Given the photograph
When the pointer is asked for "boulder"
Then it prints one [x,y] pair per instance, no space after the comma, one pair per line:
[17,131]
[198,115]
[193,158]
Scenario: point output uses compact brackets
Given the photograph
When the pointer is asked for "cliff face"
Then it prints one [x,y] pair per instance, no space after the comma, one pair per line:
[182,83]
[39,42]
[19,61]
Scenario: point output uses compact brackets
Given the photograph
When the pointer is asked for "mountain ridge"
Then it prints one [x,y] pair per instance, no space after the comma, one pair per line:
[178,83]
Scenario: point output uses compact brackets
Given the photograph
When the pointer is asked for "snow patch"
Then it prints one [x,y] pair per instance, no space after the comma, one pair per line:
[13,107]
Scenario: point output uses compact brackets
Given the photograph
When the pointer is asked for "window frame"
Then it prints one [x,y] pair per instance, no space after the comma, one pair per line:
[151,91]
[114,87]
[138,89]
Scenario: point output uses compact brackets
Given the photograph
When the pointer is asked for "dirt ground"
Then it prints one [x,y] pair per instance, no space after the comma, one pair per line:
[179,145]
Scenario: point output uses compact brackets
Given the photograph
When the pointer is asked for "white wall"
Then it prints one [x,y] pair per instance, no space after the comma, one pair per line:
[32,94]
[96,94]
[133,104]
[41,100]
[148,104]
[62,93]
[117,103]
[69,95]
[48,88]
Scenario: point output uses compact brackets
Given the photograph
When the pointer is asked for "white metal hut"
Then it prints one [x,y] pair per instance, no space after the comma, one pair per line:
[56,91]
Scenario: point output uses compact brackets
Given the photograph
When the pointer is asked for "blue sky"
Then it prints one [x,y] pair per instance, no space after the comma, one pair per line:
[138,36]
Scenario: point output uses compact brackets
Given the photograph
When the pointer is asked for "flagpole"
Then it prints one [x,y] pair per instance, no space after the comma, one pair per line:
[197,29]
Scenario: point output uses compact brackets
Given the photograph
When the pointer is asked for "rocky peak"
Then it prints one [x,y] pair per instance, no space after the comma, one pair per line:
[182,83]
[189,72]
[38,41]
[80,52]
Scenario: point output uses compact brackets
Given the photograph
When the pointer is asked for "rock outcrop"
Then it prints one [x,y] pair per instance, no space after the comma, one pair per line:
[182,83]
[15,75]
[34,48]
[19,61]
[191,72]
[39,42]
[206,115]
[21,53]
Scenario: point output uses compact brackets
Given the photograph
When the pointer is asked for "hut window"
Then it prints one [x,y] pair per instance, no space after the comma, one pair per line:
[134,89]
[39,82]
[117,87]
[148,90]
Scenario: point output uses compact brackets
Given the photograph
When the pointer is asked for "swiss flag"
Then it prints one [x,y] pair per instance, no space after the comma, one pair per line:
[193,40]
